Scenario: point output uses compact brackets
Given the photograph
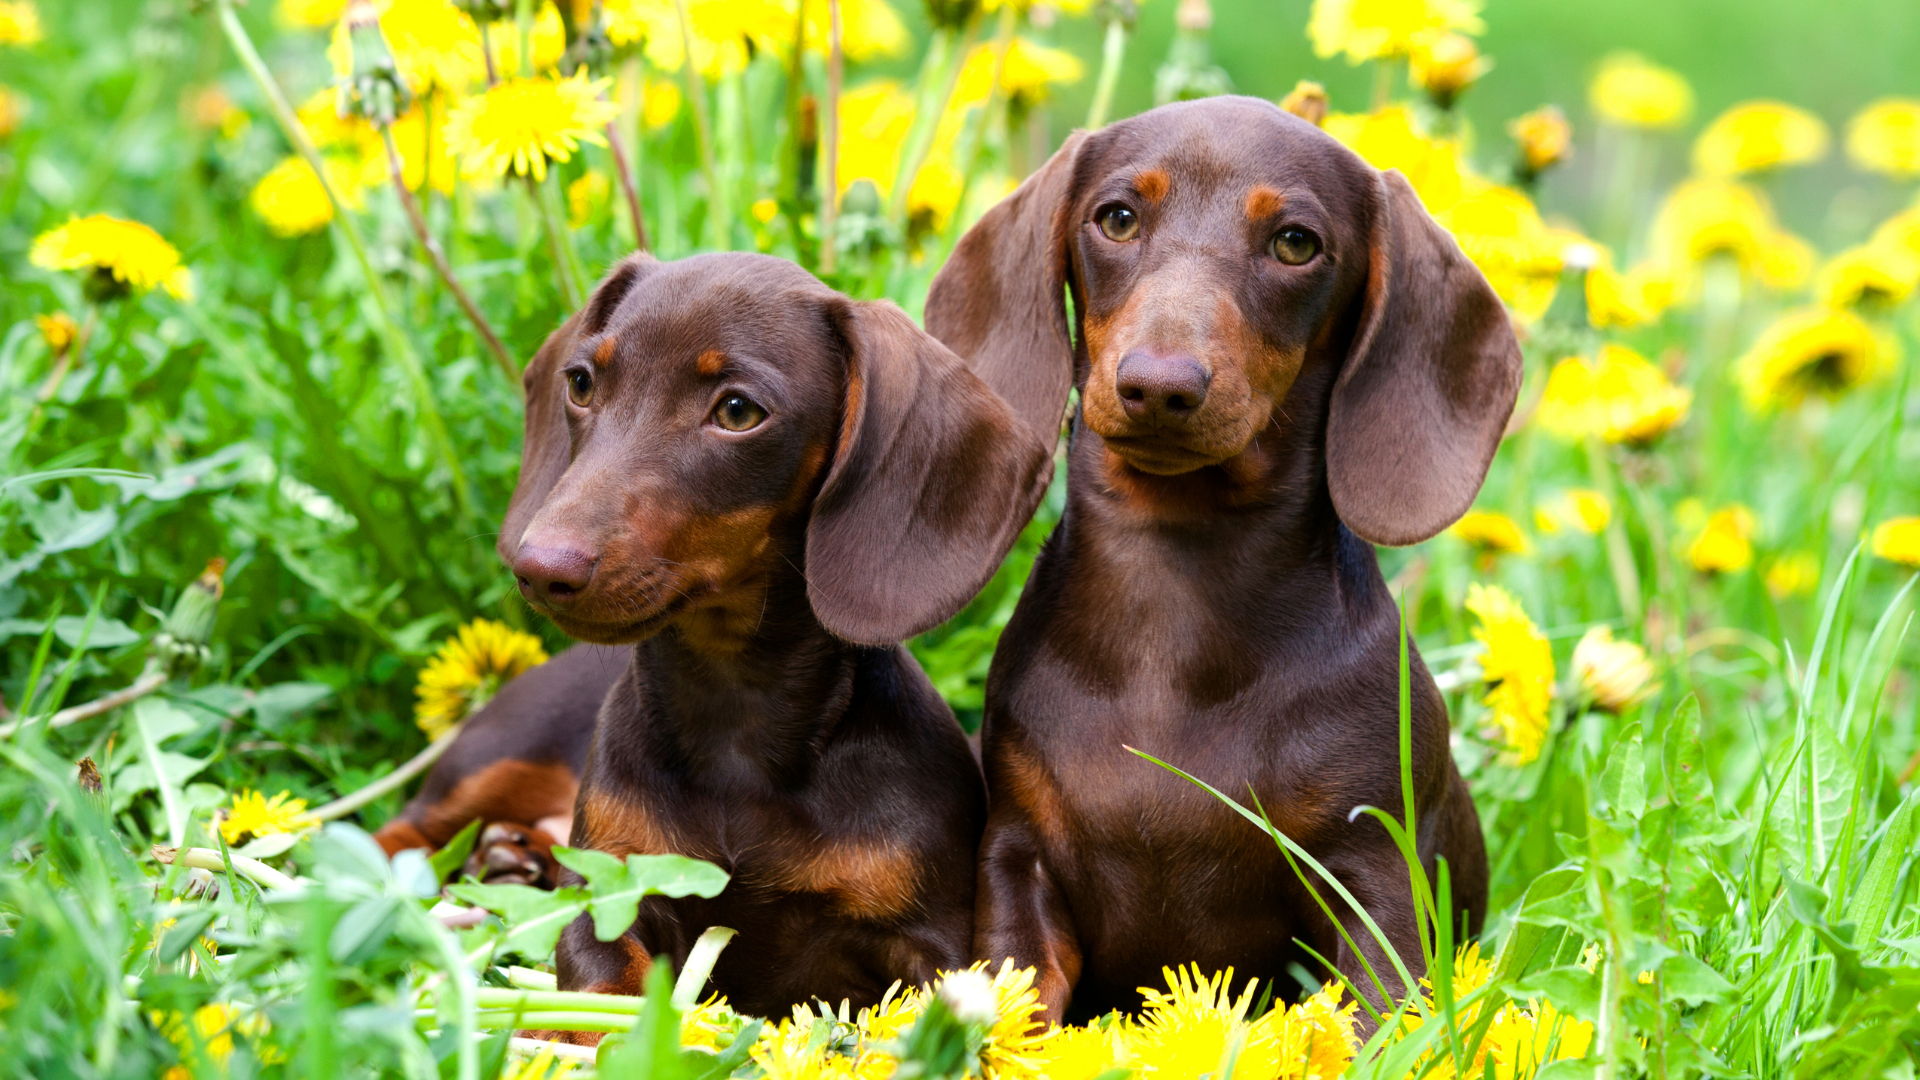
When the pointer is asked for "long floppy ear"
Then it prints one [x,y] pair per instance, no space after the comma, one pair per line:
[546,451]
[998,300]
[932,480]
[1418,410]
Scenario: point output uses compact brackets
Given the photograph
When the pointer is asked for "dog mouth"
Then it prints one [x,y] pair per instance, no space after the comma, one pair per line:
[1162,454]
[622,620]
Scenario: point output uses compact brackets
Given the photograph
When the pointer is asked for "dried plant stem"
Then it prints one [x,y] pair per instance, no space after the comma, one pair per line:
[394,780]
[440,265]
[151,679]
[629,185]
[208,859]
[384,322]
[830,189]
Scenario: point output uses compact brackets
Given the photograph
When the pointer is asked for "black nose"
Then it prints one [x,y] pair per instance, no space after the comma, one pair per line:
[553,575]
[1164,389]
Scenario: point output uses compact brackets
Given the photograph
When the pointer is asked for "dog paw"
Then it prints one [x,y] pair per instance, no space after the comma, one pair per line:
[509,853]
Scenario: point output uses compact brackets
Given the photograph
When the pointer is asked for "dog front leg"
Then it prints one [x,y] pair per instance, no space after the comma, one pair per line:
[1377,878]
[583,962]
[1020,913]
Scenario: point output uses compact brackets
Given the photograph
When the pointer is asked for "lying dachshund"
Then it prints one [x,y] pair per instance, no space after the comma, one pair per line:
[764,487]
[1280,358]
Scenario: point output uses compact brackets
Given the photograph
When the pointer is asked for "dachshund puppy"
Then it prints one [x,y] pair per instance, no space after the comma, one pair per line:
[1280,358]
[762,488]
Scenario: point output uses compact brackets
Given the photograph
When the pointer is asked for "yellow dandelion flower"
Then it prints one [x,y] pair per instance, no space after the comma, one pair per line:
[1308,101]
[1704,218]
[1315,1039]
[660,104]
[13,109]
[320,117]
[1031,70]
[1633,92]
[213,1029]
[541,1066]
[1617,300]
[1724,544]
[702,1025]
[425,159]
[524,123]
[1544,137]
[1522,1039]
[58,330]
[1517,666]
[253,816]
[1898,540]
[1501,231]
[1815,351]
[1793,575]
[897,1011]
[1870,276]
[1186,1030]
[1623,398]
[309,14]
[1901,231]
[1615,674]
[1083,1053]
[435,46]
[1015,1040]
[1444,65]
[1372,29]
[869,29]
[1885,138]
[291,200]
[1580,509]
[1757,136]
[1491,533]
[1389,139]
[469,669]
[725,34]
[19,23]
[549,41]
[121,255]
[587,198]
[786,1051]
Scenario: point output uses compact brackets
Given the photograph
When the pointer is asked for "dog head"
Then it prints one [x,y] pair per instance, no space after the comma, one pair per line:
[1232,267]
[702,428]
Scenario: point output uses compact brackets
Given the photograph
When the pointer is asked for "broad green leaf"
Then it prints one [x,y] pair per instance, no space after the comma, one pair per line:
[1816,794]
[1692,981]
[1868,906]
[186,929]
[651,1051]
[274,706]
[534,917]
[1557,898]
[617,888]
[364,927]
[453,855]
[1571,987]
[1623,784]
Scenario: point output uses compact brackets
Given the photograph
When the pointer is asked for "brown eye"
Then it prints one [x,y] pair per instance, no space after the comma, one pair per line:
[1118,223]
[736,413]
[580,387]
[1295,246]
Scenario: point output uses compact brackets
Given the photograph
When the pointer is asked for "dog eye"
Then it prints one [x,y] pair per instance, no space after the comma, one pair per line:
[736,413]
[580,387]
[1295,246]
[1118,223]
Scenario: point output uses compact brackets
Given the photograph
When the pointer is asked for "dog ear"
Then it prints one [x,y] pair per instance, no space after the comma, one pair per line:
[547,449]
[932,480]
[1429,384]
[999,300]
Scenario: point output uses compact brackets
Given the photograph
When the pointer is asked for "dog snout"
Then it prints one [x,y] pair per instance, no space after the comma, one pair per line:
[1161,389]
[555,575]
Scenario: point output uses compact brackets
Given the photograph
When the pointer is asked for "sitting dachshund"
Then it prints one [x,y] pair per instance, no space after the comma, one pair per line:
[1280,359]
[761,487]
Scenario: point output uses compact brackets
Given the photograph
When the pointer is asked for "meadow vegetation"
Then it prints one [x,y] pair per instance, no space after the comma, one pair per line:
[271,272]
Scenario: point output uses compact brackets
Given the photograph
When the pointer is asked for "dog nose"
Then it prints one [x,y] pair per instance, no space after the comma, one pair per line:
[553,575]
[1161,389]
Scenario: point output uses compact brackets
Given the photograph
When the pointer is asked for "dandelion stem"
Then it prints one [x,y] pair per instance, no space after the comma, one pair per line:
[393,781]
[208,859]
[1382,82]
[486,50]
[939,74]
[1113,50]
[439,260]
[565,263]
[830,186]
[384,322]
[976,131]
[719,228]
[1626,576]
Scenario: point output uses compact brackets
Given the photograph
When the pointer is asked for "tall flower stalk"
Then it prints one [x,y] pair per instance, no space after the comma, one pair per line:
[381,306]
[1119,15]
[830,190]
[719,221]
[939,74]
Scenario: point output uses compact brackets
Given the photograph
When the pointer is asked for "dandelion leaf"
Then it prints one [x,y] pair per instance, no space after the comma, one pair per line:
[1815,781]
[534,917]
[618,887]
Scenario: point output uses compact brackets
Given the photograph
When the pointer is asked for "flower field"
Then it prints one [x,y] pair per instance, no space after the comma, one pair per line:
[271,273]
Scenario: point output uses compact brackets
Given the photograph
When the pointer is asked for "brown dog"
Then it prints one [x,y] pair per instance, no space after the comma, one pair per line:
[765,487]
[1280,357]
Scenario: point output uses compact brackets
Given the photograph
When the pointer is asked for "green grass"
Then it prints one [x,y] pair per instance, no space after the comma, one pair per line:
[1746,835]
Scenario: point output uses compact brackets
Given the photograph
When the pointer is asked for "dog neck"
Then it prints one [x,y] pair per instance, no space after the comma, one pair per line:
[758,711]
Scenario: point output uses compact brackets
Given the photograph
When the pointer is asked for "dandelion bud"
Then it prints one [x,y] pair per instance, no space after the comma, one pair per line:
[951,14]
[1445,65]
[58,330]
[181,643]
[970,995]
[1545,139]
[485,11]
[1616,674]
[375,90]
[1308,101]
[88,776]
[1898,540]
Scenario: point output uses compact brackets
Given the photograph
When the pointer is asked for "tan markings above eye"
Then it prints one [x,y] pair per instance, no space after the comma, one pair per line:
[709,363]
[1153,184]
[605,352]
[1263,202]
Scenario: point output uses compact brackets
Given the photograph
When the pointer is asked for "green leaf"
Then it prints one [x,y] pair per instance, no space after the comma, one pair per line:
[1556,898]
[1868,906]
[186,930]
[1690,980]
[534,917]
[450,858]
[1816,794]
[652,1050]
[1571,987]
[1624,782]
[363,929]
[617,888]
